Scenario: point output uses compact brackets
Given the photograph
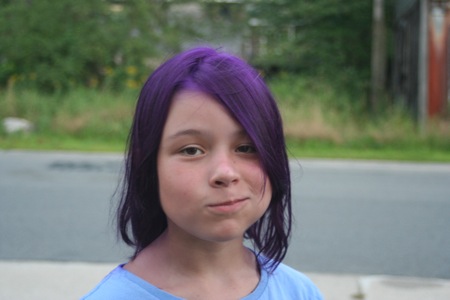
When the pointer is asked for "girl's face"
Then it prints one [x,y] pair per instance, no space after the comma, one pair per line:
[211,184]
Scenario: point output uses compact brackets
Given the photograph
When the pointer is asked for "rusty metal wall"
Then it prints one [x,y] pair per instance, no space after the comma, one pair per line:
[438,64]
[406,57]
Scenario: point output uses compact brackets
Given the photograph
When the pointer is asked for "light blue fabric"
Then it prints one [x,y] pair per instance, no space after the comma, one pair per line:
[284,283]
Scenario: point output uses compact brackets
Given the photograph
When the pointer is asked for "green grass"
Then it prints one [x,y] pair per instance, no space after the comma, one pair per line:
[321,120]
[47,142]
[324,121]
[405,153]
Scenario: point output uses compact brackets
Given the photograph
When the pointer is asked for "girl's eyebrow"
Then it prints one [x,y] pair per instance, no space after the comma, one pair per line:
[195,132]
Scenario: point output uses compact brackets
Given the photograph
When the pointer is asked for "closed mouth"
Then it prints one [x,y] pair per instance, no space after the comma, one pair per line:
[228,203]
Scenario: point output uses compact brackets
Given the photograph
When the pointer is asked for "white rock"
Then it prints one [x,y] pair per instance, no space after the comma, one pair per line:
[12,125]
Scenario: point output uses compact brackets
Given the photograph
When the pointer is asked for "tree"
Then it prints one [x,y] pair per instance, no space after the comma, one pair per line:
[58,44]
[315,36]
[378,66]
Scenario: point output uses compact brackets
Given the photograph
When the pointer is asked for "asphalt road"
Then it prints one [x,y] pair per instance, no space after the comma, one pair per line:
[351,216]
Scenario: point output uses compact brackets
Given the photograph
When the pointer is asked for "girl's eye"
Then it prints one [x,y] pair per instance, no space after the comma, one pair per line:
[246,149]
[191,151]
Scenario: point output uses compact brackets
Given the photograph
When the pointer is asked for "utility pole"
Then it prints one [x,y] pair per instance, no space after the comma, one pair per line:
[423,67]
[378,63]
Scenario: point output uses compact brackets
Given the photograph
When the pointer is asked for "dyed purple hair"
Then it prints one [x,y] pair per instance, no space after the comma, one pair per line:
[240,89]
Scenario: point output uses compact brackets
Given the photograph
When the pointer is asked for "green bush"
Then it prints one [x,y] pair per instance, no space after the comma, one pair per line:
[56,45]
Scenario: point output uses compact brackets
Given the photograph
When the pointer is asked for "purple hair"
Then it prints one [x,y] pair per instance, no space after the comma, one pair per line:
[240,89]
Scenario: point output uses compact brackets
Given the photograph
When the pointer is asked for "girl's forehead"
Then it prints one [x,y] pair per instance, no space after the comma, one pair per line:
[197,103]
[199,111]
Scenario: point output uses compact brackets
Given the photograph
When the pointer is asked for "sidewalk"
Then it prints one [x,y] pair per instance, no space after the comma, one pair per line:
[52,280]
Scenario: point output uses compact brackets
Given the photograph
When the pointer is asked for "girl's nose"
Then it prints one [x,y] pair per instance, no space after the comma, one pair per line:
[224,172]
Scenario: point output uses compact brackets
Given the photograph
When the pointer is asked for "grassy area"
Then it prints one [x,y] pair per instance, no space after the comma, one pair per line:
[320,121]
[84,119]
[324,121]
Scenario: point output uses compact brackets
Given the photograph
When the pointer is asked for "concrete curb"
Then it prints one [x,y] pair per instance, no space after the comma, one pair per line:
[394,288]
[40,280]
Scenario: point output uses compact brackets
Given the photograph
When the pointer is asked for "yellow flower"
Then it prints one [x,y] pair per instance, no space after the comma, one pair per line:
[109,71]
[93,82]
[12,79]
[131,70]
[132,84]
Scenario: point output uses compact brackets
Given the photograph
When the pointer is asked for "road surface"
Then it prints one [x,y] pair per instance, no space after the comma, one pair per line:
[353,217]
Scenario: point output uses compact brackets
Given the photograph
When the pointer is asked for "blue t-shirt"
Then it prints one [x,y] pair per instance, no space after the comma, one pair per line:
[282,284]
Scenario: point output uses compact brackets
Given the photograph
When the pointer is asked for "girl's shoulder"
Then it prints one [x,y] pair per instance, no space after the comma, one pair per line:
[120,284]
[288,274]
[292,283]
[285,283]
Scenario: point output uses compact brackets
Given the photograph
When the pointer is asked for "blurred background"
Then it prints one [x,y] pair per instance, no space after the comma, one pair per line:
[358,79]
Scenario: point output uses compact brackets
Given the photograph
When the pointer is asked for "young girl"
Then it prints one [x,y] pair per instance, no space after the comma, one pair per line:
[206,168]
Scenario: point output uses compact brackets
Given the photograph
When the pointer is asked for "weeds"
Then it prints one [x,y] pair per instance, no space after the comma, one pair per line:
[317,112]
[320,120]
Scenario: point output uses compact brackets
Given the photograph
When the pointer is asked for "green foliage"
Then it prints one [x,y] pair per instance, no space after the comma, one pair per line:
[319,37]
[55,45]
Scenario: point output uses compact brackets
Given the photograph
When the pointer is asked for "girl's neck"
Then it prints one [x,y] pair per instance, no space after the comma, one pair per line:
[200,257]
[189,270]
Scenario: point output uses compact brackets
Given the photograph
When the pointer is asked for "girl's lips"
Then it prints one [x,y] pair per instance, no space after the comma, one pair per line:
[231,202]
[228,206]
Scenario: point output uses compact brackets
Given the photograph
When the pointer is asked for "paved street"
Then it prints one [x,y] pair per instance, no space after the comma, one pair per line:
[373,218]
[351,217]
